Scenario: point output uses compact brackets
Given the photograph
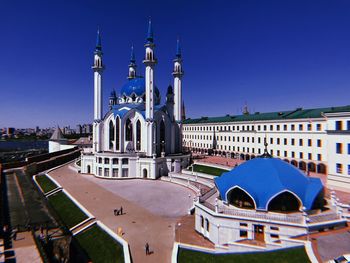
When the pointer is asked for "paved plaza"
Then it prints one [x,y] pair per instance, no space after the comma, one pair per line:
[151,209]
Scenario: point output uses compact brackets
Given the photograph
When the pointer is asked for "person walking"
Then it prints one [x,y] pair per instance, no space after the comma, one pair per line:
[147,248]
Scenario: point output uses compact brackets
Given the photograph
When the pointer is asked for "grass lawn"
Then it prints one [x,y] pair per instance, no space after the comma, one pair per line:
[45,183]
[99,246]
[69,213]
[280,256]
[208,170]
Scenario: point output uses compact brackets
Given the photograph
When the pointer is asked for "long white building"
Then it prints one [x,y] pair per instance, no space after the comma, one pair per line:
[316,140]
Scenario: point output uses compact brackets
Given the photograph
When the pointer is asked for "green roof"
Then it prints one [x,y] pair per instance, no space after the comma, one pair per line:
[298,113]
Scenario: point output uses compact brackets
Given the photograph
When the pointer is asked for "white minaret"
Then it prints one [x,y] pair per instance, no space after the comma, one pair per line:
[150,62]
[178,73]
[98,68]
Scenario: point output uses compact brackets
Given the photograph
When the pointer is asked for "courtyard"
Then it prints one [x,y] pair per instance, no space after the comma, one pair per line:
[151,209]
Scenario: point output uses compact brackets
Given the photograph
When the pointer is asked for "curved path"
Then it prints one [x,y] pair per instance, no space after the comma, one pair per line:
[151,209]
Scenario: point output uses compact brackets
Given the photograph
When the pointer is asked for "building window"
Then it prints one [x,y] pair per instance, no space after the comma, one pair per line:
[349,148]
[310,156]
[301,155]
[285,154]
[319,143]
[243,233]
[100,160]
[339,168]
[271,127]
[274,235]
[106,160]
[278,141]
[309,127]
[293,141]
[202,221]
[271,140]
[338,125]
[292,127]
[243,224]
[318,127]
[300,127]
[319,157]
[115,160]
[100,171]
[207,224]
[278,152]
[285,127]
[348,169]
[106,172]
[274,228]
[277,127]
[309,142]
[339,148]
[300,142]
[125,161]
[285,141]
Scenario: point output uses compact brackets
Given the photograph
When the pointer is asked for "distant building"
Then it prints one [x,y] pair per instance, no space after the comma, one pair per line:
[58,142]
[315,140]
[78,129]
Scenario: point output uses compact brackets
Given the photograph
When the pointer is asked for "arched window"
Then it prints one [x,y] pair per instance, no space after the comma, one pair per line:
[240,198]
[138,135]
[284,202]
[162,135]
[117,127]
[202,221]
[111,135]
[128,130]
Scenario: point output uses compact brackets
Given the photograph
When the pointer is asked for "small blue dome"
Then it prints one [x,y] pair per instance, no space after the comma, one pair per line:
[137,86]
[265,178]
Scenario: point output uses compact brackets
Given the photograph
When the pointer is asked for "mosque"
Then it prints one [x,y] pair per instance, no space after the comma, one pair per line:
[139,137]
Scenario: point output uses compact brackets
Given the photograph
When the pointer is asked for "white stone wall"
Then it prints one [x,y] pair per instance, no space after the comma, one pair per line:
[225,229]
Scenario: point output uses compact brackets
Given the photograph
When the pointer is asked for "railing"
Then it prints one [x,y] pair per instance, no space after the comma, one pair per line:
[323,217]
[207,195]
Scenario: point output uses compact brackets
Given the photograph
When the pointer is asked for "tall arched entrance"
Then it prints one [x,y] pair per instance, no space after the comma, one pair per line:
[144,174]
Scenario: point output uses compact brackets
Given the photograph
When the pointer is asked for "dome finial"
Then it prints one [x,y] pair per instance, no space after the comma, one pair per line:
[178,48]
[132,56]
[98,40]
[150,32]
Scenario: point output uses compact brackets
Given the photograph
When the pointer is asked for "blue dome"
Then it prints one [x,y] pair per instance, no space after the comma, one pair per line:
[265,178]
[137,86]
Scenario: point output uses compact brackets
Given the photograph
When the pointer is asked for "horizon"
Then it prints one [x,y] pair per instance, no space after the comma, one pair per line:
[273,56]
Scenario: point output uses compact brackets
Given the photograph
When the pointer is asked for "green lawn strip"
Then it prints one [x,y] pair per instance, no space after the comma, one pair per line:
[100,246]
[69,213]
[45,183]
[208,169]
[280,256]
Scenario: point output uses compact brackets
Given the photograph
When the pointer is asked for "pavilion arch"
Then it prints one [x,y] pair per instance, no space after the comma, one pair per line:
[286,160]
[128,130]
[247,157]
[311,167]
[240,198]
[302,165]
[241,156]
[284,201]
[321,168]
[138,135]
[144,173]
[294,162]
[252,156]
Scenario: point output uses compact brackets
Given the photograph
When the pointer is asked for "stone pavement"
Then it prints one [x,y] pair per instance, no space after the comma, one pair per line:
[25,248]
[151,209]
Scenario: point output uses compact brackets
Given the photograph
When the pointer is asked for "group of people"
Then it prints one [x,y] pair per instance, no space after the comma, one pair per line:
[118,212]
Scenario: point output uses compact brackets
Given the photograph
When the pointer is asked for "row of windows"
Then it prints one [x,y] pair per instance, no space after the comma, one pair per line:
[339,126]
[278,153]
[271,127]
[252,140]
[207,225]
[113,160]
[339,148]
[339,168]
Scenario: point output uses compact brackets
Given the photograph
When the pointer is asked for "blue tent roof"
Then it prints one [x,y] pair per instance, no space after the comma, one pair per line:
[120,110]
[137,86]
[264,178]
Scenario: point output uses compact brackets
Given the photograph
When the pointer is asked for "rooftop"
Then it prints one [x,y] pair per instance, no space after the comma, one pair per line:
[298,113]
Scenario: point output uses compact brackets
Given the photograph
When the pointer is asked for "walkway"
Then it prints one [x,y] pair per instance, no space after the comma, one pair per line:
[151,209]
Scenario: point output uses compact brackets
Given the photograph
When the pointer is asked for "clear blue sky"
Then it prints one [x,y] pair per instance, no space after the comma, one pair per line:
[274,55]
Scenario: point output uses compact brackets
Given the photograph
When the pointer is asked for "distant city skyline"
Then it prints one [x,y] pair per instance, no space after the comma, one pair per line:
[272,55]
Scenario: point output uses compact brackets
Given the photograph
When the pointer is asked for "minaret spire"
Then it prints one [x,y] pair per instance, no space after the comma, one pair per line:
[132,65]
[178,49]
[150,61]
[98,68]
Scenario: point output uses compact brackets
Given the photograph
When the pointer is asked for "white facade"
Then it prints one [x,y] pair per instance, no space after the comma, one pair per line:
[308,143]
[138,137]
